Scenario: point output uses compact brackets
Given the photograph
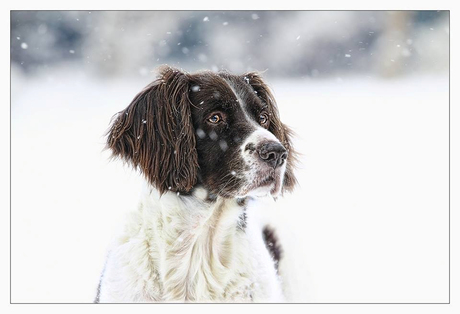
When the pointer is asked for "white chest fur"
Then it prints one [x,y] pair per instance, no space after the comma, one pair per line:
[185,248]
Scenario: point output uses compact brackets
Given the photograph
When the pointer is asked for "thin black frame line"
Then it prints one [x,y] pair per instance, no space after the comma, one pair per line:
[187,303]
[243,10]
[11,42]
[449,153]
[449,226]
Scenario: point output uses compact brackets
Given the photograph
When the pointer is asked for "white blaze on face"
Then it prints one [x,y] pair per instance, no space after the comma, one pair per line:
[258,169]
[243,106]
[260,135]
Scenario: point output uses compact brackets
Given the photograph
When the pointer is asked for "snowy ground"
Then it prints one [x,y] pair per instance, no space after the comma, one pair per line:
[368,223]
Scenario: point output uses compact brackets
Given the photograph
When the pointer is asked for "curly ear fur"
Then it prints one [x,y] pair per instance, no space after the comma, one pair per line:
[155,133]
[280,130]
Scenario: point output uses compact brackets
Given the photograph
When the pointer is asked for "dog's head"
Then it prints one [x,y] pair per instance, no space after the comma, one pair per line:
[216,129]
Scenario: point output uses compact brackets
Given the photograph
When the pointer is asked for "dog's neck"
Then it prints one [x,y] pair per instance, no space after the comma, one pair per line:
[194,238]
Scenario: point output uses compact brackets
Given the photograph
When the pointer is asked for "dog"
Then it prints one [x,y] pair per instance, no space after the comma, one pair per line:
[209,145]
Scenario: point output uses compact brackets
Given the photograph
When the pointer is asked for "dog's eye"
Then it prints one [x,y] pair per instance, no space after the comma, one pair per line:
[215,118]
[263,118]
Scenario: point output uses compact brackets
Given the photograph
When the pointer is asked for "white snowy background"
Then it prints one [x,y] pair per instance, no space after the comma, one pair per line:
[367,94]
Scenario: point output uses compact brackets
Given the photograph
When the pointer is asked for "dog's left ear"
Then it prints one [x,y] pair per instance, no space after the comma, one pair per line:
[155,133]
[279,129]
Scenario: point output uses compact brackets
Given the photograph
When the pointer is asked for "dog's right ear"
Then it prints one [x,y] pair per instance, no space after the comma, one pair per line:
[155,133]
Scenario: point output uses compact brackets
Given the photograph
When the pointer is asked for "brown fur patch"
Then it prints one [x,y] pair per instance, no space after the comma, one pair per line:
[155,133]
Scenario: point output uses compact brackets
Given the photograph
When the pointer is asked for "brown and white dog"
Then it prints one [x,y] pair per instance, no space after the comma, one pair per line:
[208,144]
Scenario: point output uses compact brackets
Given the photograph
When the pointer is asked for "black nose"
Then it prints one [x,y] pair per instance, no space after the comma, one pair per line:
[273,153]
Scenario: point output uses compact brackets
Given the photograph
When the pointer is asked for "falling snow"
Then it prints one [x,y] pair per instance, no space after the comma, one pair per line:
[406,52]
[223,145]
[213,135]
[143,71]
[200,133]
[202,57]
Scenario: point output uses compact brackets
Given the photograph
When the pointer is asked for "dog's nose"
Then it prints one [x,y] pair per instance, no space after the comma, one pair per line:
[273,153]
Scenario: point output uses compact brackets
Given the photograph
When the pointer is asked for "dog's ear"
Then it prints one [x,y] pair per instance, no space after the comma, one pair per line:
[279,129]
[155,133]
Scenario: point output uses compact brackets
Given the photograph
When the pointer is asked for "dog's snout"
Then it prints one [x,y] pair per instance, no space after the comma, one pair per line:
[273,153]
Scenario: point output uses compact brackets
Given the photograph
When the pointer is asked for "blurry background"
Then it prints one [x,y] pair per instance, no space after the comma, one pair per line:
[367,93]
[299,44]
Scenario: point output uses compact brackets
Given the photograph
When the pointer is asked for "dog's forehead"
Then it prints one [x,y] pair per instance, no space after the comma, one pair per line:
[226,88]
